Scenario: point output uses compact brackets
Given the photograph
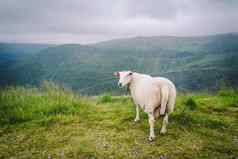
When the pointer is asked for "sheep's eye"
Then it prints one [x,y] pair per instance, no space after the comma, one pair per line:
[130,73]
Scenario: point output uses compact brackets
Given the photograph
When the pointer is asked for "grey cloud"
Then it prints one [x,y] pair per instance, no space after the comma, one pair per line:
[62,21]
[154,9]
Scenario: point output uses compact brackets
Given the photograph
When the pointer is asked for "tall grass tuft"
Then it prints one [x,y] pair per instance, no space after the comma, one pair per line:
[18,104]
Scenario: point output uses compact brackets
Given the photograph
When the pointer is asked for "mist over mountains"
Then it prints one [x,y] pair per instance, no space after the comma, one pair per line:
[192,63]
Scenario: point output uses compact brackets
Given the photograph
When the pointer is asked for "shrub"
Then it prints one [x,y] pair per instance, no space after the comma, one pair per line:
[226,92]
[107,98]
[191,104]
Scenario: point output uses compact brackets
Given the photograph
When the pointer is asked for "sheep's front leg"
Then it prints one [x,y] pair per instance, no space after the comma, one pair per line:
[137,118]
[152,123]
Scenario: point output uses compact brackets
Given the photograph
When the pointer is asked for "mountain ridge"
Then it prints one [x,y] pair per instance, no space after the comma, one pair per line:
[195,64]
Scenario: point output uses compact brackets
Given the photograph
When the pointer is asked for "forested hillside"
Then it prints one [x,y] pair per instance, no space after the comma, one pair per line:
[193,63]
[15,53]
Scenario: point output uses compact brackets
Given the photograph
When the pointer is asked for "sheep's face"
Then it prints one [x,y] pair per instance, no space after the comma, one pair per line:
[125,78]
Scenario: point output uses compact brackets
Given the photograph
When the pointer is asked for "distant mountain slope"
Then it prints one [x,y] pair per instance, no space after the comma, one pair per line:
[12,50]
[12,53]
[213,43]
[193,63]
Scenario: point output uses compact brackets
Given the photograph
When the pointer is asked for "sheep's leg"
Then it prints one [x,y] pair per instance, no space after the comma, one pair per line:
[164,124]
[152,123]
[157,112]
[164,100]
[137,118]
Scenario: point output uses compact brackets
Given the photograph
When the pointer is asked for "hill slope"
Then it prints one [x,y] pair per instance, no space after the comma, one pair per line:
[193,63]
[54,123]
[13,53]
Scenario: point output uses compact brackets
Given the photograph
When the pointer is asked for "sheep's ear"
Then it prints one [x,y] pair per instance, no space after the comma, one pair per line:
[117,74]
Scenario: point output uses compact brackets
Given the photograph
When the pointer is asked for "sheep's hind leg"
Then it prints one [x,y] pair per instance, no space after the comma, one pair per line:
[152,123]
[164,124]
[157,112]
[137,118]
[164,100]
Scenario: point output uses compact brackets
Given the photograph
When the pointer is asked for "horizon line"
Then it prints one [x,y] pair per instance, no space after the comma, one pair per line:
[122,38]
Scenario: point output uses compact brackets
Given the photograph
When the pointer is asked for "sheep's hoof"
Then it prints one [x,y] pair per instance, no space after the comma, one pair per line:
[151,139]
[136,120]
[163,131]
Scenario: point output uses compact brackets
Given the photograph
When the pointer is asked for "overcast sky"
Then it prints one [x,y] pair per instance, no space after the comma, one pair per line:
[87,21]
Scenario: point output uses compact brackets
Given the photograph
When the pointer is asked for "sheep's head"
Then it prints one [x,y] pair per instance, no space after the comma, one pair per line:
[125,78]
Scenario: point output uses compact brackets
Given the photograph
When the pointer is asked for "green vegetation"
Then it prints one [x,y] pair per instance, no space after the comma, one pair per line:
[106,98]
[192,63]
[191,104]
[54,121]
[12,54]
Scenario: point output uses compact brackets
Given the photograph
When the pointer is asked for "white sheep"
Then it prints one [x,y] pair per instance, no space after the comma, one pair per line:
[155,95]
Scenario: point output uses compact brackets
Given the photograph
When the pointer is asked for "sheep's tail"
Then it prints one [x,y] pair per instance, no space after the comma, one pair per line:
[171,100]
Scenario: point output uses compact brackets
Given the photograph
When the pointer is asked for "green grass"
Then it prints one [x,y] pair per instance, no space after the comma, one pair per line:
[53,121]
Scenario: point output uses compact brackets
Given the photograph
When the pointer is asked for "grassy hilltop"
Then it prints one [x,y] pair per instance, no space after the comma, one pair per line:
[54,122]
